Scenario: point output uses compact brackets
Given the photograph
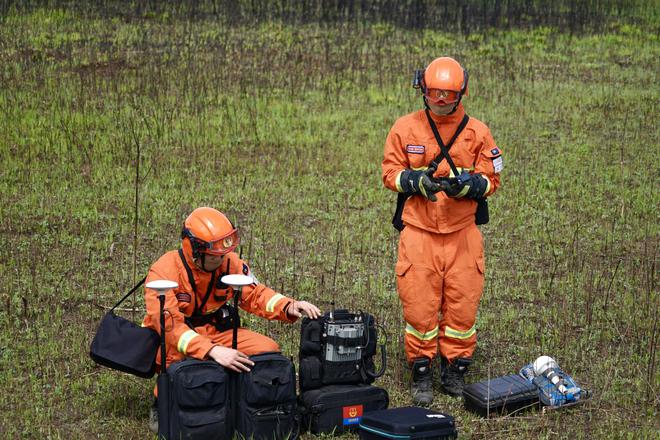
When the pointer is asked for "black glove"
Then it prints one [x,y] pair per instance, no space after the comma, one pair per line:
[471,186]
[419,182]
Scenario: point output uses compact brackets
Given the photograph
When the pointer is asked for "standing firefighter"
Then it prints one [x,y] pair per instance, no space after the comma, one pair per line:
[440,266]
[197,314]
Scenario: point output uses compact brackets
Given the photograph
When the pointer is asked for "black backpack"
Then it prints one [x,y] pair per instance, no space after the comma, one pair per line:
[339,348]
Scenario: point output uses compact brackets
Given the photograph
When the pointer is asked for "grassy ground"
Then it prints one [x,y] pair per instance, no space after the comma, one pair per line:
[282,127]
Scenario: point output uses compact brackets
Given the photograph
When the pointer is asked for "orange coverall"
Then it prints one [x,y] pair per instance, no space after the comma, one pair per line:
[181,340]
[440,266]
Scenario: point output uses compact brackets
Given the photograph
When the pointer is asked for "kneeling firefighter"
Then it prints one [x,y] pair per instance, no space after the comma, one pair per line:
[198,316]
[443,164]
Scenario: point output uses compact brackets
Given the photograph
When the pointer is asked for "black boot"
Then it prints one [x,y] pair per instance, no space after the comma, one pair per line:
[422,382]
[452,375]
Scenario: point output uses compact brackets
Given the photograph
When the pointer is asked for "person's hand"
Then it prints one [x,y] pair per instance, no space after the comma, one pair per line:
[230,358]
[471,186]
[297,308]
[420,182]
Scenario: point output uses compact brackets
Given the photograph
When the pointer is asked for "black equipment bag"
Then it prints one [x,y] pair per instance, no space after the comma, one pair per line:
[334,409]
[407,423]
[500,395]
[198,406]
[123,345]
[267,408]
[338,348]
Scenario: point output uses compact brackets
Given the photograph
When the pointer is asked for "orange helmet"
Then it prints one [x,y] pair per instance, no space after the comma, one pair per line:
[444,81]
[208,231]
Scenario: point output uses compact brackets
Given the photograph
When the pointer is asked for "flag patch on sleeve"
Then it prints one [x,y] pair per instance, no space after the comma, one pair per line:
[415,149]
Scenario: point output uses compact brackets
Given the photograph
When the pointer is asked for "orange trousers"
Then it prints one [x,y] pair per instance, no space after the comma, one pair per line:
[440,273]
[249,343]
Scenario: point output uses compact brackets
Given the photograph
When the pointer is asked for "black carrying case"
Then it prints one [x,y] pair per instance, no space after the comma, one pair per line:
[122,345]
[267,408]
[199,401]
[339,408]
[316,370]
[198,404]
[405,423]
[500,395]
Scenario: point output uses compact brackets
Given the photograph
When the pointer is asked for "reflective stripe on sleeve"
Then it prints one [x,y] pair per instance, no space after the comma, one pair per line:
[398,181]
[422,336]
[270,306]
[487,184]
[185,339]
[463,192]
[457,334]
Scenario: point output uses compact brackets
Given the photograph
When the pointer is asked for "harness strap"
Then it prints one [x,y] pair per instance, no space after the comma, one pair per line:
[191,279]
[444,149]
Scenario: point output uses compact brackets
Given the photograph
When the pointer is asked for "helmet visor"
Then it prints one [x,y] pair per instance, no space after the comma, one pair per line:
[441,97]
[223,245]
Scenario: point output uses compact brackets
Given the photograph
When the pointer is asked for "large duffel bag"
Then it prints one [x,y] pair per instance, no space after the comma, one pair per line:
[500,395]
[267,405]
[334,409]
[198,407]
[407,423]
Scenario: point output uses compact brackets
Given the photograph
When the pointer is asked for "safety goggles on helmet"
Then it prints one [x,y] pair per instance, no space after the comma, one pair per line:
[441,97]
[221,246]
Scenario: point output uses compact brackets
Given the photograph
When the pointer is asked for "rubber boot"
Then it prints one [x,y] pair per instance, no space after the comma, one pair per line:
[452,376]
[421,389]
[153,417]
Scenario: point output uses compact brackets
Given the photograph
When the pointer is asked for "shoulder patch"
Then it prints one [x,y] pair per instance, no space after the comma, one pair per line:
[415,149]
[246,269]
[495,151]
[183,297]
[498,164]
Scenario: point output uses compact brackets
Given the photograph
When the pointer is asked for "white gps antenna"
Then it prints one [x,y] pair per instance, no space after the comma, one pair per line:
[162,286]
[236,282]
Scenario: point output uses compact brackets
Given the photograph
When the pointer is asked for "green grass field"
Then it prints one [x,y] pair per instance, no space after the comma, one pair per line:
[282,127]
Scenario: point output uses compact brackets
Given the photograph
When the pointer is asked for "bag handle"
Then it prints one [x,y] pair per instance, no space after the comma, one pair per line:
[128,294]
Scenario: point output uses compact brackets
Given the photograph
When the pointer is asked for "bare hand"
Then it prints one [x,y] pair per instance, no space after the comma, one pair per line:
[230,358]
[297,308]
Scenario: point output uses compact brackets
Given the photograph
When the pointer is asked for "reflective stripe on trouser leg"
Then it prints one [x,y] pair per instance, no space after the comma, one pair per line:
[463,284]
[420,344]
[419,286]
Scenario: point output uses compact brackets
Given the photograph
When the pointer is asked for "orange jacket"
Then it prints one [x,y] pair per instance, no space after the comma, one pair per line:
[411,145]
[180,303]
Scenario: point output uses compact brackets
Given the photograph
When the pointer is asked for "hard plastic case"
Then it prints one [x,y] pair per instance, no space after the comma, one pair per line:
[408,423]
[501,395]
